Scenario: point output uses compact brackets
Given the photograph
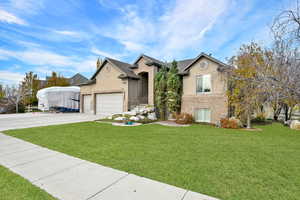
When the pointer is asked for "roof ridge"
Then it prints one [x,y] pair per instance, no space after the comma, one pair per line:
[117,60]
[124,67]
[208,57]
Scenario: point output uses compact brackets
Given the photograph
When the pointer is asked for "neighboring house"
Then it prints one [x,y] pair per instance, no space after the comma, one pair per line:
[75,80]
[117,87]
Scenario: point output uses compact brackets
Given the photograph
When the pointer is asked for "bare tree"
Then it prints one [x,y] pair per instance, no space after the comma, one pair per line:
[288,22]
[15,94]
[286,59]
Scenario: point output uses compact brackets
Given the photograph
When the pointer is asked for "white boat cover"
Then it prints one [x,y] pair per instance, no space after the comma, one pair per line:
[66,97]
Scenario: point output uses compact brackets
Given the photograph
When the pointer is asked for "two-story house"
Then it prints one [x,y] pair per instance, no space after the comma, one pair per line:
[117,87]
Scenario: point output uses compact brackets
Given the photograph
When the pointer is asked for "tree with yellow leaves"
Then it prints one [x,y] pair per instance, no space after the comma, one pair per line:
[57,80]
[246,90]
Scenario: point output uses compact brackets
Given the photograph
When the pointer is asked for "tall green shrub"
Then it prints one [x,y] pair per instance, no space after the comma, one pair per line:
[160,85]
[174,86]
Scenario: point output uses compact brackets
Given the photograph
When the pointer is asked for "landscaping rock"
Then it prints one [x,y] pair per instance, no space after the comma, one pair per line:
[131,113]
[295,124]
[218,124]
[142,112]
[133,118]
[141,117]
[119,118]
[151,116]
[288,122]
[143,109]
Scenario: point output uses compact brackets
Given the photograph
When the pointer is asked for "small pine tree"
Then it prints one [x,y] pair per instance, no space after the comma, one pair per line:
[160,85]
[174,86]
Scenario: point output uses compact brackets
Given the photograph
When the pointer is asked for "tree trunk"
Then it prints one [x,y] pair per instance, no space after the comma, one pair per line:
[291,113]
[286,112]
[277,111]
[17,107]
[248,120]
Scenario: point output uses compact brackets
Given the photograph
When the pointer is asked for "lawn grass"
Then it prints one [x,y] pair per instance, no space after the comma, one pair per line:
[228,164]
[14,187]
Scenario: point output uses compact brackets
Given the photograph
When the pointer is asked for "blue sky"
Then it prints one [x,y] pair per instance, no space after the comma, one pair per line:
[68,36]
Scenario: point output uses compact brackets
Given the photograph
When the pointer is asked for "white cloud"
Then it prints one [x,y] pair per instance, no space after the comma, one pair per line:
[105,54]
[133,46]
[37,57]
[186,24]
[10,18]
[6,54]
[26,43]
[27,6]
[46,61]
[181,26]
[86,65]
[8,77]
[67,33]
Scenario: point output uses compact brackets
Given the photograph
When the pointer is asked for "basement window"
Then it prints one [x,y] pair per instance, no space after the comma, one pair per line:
[203,115]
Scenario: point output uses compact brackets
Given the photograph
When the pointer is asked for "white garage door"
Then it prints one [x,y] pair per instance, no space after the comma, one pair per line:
[87,101]
[107,104]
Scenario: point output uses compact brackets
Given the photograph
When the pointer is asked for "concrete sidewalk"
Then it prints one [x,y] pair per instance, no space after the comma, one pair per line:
[69,178]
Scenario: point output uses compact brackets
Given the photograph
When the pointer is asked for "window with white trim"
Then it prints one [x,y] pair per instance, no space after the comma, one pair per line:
[203,83]
[203,115]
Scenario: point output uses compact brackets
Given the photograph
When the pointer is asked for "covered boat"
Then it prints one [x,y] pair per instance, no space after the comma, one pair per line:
[64,99]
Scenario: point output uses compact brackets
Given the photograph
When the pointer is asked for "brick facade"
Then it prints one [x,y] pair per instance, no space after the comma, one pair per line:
[215,100]
[216,103]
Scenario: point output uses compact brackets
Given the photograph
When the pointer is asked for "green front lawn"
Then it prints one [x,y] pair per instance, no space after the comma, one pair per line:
[229,164]
[14,187]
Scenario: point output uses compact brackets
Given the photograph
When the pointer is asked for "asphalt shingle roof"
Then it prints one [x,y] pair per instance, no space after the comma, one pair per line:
[183,65]
[125,67]
[77,79]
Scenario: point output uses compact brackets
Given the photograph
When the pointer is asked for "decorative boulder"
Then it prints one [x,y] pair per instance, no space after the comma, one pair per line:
[295,124]
[151,116]
[288,122]
[133,118]
[119,118]
[131,113]
[218,124]
[141,117]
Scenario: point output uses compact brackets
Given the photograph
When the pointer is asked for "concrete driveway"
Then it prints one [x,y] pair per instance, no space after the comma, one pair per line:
[27,120]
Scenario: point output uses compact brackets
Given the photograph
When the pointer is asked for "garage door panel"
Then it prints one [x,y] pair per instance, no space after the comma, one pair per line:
[87,101]
[107,104]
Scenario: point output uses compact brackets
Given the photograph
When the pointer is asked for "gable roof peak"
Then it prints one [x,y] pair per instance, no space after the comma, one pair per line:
[209,57]
[151,61]
[124,67]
